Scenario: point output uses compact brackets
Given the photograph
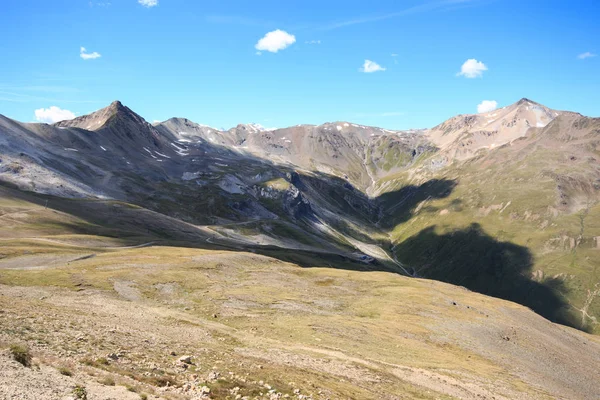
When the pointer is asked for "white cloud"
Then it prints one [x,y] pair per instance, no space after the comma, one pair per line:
[313,42]
[88,56]
[371,66]
[148,3]
[275,41]
[53,114]
[472,68]
[585,55]
[487,106]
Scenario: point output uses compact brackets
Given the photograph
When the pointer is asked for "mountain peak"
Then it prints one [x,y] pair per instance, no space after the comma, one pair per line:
[98,119]
[116,105]
[525,100]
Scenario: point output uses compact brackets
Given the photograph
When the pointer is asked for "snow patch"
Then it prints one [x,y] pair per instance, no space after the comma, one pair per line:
[182,151]
[178,148]
[102,148]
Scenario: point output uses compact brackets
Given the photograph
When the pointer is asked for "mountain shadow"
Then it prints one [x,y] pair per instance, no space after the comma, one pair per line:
[384,211]
[475,260]
[398,206]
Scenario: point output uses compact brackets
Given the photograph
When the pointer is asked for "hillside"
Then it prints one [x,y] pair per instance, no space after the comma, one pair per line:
[298,249]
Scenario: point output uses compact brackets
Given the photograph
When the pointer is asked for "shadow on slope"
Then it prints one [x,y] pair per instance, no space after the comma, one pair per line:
[398,206]
[382,212]
[475,260]
[134,225]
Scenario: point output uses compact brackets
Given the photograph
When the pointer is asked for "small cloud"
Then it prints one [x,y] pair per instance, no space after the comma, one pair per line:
[53,114]
[259,53]
[275,41]
[313,42]
[487,106]
[472,69]
[148,3]
[585,55]
[88,56]
[371,66]
[394,55]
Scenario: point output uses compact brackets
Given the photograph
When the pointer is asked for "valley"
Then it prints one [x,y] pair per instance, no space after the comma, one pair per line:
[331,261]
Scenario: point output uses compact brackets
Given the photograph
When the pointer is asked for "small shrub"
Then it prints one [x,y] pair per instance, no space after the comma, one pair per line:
[21,354]
[161,381]
[107,381]
[102,361]
[80,392]
[87,361]
[131,388]
[65,371]
[143,396]
[96,363]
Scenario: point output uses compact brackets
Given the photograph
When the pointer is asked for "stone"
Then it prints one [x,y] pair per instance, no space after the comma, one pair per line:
[213,376]
[185,359]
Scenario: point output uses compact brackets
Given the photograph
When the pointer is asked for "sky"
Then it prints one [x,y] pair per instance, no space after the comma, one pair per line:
[397,64]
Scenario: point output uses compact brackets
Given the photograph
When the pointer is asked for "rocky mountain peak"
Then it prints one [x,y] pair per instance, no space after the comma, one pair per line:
[525,100]
[98,119]
[116,106]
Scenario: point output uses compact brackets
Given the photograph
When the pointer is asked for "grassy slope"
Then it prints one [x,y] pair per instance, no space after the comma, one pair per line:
[515,207]
[348,334]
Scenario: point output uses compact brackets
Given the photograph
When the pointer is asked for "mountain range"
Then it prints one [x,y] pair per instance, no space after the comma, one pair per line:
[504,203]
[180,261]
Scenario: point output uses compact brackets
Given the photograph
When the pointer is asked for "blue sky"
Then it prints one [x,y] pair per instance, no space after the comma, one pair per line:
[198,59]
